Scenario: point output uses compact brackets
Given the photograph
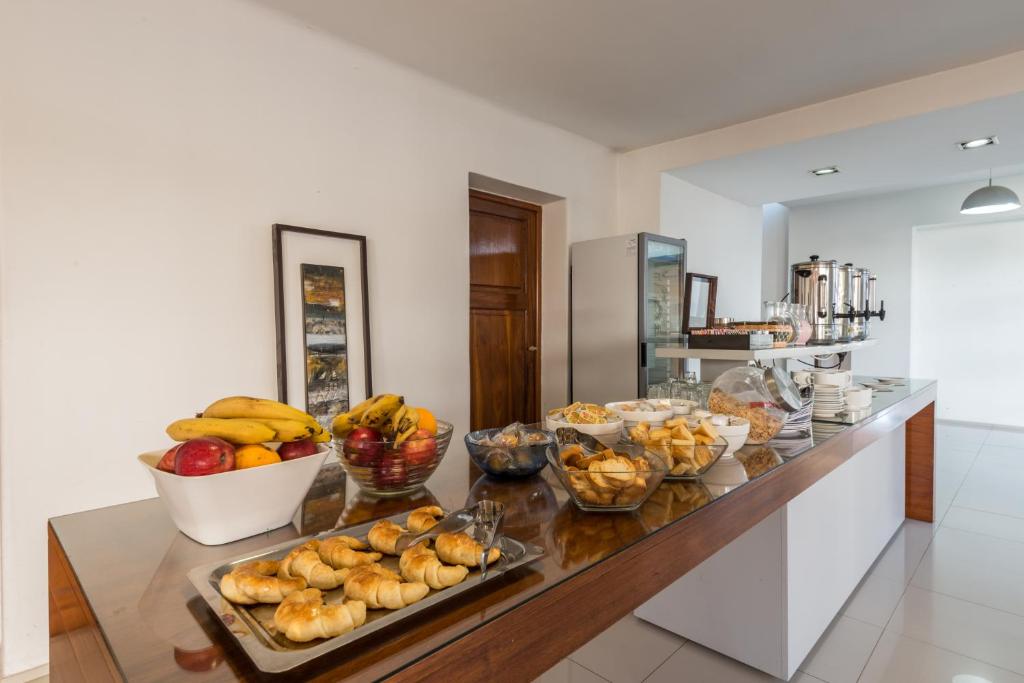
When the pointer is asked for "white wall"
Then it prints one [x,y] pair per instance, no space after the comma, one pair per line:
[876,232]
[723,238]
[775,252]
[967,317]
[146,149]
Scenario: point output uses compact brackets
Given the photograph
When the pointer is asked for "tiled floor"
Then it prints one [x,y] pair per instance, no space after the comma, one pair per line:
[944,603]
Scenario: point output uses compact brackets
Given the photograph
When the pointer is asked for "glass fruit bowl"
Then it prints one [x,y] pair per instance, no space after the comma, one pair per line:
[381,468]
[618,478]
[523,458]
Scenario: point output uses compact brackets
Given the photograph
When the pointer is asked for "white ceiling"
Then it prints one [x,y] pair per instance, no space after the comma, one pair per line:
[911,152]
[629,73]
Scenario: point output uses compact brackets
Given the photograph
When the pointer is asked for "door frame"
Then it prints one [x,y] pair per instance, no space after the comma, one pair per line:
[535,248]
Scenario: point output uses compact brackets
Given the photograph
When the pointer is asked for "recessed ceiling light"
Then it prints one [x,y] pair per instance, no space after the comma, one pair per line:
[978,142]
[828,170]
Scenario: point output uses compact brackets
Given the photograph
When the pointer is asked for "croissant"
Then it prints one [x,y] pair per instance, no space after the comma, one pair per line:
[306,563]
[384,535]
[255,582]
[375,586]
[342,552]
[303,616]
[419,563]
[422,519]
[461,549]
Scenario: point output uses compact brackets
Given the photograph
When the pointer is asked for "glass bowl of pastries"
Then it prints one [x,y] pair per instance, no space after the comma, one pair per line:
[614,479]
[688,449]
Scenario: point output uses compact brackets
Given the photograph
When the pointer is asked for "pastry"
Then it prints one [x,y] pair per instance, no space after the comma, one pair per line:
[461,549]
[384,535]
[343,552]
[303,616]
[255,582]
[381,588]
[305,562]
[608,478]
[419,563]
[424,518]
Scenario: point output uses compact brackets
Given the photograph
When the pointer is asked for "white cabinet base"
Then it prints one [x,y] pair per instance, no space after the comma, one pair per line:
[767,597]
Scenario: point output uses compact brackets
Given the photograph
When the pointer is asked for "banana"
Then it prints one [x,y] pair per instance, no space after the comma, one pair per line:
[344,423]
[406,424]
[246,407]
[235,431]
[390,428]
[377,415]
[289,430]
[323,437]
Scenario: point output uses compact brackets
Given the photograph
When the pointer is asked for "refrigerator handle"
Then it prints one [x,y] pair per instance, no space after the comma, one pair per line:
[643,354]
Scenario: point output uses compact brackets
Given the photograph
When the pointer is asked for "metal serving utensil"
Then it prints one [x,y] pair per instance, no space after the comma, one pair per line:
[571,435]
[485,530]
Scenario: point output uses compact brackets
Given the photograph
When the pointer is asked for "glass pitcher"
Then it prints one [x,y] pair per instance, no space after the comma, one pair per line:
[804,326]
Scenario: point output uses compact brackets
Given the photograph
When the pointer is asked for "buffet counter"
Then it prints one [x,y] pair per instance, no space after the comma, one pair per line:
[121,606]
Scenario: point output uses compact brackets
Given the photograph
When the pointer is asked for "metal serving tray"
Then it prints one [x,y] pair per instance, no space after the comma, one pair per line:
[273,653]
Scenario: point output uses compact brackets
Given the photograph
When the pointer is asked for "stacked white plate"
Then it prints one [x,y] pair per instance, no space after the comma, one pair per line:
[829,400]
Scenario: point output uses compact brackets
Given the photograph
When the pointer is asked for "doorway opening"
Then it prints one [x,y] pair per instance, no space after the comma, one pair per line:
[504,310]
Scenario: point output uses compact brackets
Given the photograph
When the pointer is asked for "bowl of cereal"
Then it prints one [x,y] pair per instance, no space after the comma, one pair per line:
[765,397]
[615,479]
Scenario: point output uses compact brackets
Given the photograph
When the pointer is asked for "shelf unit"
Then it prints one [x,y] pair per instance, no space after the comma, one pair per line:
[762,354]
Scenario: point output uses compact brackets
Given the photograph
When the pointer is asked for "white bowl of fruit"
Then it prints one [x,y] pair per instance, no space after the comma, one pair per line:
[388,447]
[233,477]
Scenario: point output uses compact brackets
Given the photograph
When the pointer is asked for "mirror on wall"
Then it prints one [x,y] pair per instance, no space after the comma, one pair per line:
[699,301]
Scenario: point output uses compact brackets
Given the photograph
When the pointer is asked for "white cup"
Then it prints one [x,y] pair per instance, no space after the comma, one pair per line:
[858,397]
[835,379]
[802,377]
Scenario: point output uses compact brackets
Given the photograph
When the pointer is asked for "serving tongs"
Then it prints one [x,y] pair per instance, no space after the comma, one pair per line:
[485,517]
[570,435]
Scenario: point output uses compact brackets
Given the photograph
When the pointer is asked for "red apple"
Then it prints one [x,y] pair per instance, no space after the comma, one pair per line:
[206,455]
[363,447]
[391,472]
[167,461]
[296,449]
[419,449]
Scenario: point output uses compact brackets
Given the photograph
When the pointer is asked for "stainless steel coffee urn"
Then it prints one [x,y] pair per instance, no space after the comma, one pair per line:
[851,303]
[814,283]
[840,299]
[869,286]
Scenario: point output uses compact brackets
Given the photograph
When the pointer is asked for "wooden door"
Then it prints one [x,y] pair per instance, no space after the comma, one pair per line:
[504,310]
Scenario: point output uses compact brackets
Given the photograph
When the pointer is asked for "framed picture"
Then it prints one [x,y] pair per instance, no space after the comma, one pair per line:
[699,301]
[323,320]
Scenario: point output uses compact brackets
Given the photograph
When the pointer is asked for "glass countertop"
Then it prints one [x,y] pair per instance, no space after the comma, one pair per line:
[131,561]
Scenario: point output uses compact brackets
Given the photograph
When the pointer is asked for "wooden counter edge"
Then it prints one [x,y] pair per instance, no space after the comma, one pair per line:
[920,469]
[78,651]
[529,639]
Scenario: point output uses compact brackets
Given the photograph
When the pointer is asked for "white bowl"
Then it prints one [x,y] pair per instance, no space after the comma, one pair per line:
[607,433]
[655,418]
[683,406]
[735,433]
[220,508]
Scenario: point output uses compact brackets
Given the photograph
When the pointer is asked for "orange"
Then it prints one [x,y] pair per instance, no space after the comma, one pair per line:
[427,420]
[254,455]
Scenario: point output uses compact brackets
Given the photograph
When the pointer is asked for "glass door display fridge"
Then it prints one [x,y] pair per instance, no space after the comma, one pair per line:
[626,297]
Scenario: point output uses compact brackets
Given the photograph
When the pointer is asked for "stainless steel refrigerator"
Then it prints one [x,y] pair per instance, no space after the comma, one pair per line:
[626,297]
